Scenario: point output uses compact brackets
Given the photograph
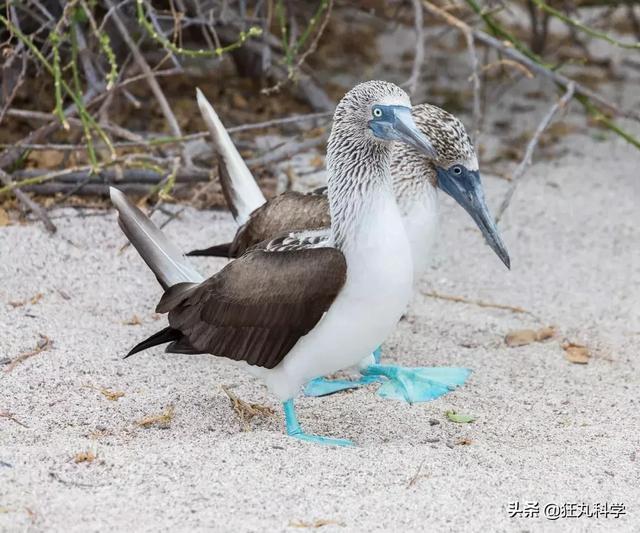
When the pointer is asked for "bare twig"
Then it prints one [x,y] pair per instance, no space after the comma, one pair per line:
[479,303]
[43,344]
[19,51]
[305,85]
[418,59]
[11,416]
[126,175]
[560,79]
[171,217]
[28,203]
[28,143]
[151,139]
[246,411]
[86,60]
[280,121]
[285,152]
[526,160]
[146,69]
[86,188]
[35,180]
[508,50]
[13,153]
[327,6]
[416,476]
[41,178]
[163,420]
[575,23]
[473,61]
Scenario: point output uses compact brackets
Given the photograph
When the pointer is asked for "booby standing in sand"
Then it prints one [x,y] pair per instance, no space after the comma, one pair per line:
[416,179]
[296,314]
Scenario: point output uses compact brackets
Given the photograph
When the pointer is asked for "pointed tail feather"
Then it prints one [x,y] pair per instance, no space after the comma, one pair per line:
[163,336]
[240,189]
[165,260]
[217,250]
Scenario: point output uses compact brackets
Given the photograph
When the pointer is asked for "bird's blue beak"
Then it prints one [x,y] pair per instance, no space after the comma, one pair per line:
[465,187]
[395,123]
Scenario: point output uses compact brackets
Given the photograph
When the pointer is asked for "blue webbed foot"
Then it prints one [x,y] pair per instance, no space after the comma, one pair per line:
[414,385]
[324,386]
[327,441]
[294,429]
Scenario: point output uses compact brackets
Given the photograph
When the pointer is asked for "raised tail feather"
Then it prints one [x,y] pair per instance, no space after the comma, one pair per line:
[164,258]
[163,336]
[217,250]
[240,189]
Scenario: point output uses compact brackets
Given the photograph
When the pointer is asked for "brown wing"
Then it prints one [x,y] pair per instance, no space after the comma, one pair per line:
[258,306]
[286,212]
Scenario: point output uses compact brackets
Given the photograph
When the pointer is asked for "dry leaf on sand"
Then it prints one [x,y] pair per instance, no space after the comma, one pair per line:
[112,395]
[545,333]
[522,337]
[133,321]
[315,524]
[576,353]
[162,421]
[84,457]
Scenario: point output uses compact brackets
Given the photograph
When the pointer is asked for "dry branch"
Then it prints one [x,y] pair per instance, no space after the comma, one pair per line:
[479,303]
[151,139]
[146,69]
[11,416]
[473,61]
[516,50]
[43,345]
[246,411]
[28,203]
[418,59]
[531,146]
[555,76]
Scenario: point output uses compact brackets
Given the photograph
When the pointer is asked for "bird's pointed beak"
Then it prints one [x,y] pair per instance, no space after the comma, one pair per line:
[407,131]
[466,189]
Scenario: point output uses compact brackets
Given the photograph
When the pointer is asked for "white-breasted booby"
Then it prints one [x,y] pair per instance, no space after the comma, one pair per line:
[416,179]
[295,314]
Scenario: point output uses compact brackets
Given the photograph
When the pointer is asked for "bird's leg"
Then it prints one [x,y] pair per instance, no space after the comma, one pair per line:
[411,385]
[325,387]
[294,429]
[417,384]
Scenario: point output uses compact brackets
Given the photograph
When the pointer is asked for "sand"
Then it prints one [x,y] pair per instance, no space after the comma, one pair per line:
[546,430]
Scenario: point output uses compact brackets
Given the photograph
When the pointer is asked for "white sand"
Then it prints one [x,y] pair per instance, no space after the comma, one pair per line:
[546,430]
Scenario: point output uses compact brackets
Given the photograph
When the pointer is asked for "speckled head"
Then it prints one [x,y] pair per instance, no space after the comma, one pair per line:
[378,112]
[367,121]
[454,170]
[448,136]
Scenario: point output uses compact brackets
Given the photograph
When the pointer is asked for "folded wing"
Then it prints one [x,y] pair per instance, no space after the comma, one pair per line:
[258,306]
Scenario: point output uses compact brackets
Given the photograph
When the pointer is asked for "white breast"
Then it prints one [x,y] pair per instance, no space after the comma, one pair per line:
[375,295]
[420,215]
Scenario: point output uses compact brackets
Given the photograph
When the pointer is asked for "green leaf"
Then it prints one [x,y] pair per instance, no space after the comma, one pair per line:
[460,418]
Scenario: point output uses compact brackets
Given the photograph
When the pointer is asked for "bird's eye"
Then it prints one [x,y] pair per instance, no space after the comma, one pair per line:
[377,112]
[457,170]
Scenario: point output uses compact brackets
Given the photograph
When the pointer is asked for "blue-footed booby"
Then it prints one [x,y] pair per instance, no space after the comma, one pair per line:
[416,179]
[294,313]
